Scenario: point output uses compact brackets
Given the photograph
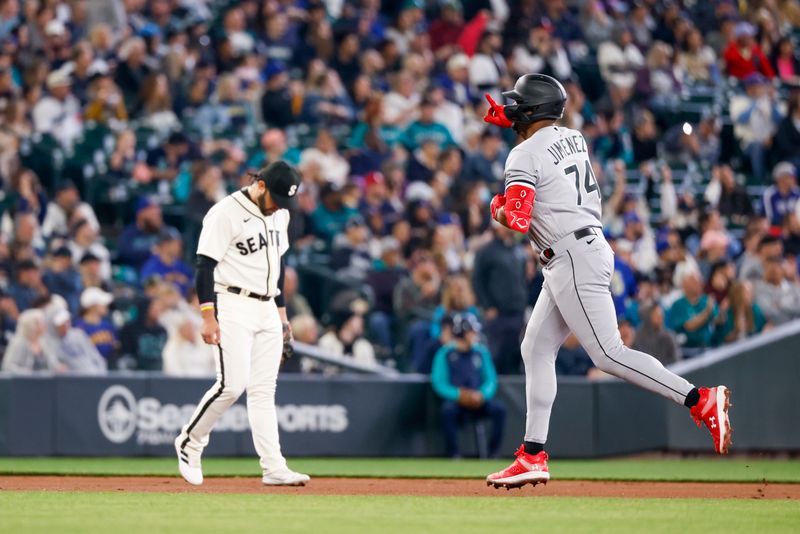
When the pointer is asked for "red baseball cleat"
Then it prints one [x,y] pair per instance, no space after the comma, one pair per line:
[712,409]
[526,469]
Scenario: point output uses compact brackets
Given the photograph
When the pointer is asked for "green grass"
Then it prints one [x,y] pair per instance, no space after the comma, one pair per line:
[157,512]
[712,469]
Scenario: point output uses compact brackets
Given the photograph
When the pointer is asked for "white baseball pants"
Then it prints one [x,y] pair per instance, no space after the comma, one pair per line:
[251,344]
[576,297]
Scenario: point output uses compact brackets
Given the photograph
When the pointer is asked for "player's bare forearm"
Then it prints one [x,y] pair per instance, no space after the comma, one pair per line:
[282,314]
[500,217]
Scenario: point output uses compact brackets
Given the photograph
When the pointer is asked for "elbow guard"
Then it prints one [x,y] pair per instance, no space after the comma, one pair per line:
[519,206]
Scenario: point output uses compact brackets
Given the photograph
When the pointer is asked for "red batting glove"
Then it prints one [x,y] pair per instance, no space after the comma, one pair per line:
[495,114]
[497,202]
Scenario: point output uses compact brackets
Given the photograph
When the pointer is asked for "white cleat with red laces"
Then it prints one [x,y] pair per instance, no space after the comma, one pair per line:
[712,410]
[526,469]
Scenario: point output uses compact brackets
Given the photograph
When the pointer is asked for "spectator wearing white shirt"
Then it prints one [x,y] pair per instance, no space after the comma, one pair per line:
[65,204]
[756,116]
[619,61]
[400,104]
[85,240]
[325,159]
[25,353]
[72,347]
[447,113]
[185,353]
[346,338]
[543,54]
[777,296]
[487,69]
[59,113]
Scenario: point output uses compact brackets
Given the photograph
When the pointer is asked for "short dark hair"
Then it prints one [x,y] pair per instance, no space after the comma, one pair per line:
[767,240]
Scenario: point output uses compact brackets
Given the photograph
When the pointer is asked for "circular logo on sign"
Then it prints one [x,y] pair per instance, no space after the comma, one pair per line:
[116,414]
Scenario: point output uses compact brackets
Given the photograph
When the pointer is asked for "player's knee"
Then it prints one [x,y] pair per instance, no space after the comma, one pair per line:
[528,347]
[234,388]
[604,357]
[602,362]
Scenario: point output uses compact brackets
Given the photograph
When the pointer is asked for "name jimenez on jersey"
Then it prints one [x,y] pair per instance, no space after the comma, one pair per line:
[246,244]
[554,162]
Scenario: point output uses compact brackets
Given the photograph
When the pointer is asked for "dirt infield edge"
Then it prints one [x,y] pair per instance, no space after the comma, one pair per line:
[406,486]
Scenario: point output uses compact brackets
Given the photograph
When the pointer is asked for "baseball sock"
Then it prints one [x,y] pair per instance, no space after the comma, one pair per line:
[692,398]
[531,447]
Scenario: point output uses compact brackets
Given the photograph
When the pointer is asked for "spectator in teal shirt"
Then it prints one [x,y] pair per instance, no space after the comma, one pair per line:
[273,148]
[426,128]
[463,375]
[330,217]
[694,314]
[744,317]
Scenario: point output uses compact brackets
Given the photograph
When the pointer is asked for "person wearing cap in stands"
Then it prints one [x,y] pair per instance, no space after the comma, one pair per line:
[62,278]
[142,340]
[137,239]
[167,161]
[28,285]
[95,322]
[72,347]
[350,255]
[280,107]
[756,116]
[166,262]
[58,113]
[84,238]
[743,57]
[90,268]
[332,214]
[240,279]
[463,375]
[781,198]
[375,206]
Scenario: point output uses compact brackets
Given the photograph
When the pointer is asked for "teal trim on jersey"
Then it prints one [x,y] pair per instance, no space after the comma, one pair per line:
[440,373]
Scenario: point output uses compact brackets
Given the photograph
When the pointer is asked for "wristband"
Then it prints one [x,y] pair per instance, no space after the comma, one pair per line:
[206,306]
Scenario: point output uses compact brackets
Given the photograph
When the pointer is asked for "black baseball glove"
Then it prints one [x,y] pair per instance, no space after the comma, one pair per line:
[288,349]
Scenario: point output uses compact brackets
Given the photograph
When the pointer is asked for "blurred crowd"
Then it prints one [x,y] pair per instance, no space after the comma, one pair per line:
[123,121]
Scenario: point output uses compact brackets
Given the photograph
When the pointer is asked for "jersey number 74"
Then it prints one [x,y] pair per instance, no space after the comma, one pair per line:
[590,182]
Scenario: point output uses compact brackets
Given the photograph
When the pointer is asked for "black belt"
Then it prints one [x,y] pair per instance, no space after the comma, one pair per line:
[239,291]
[548,253]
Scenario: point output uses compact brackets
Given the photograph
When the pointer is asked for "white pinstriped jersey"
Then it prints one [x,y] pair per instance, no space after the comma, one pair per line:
[555,162]
[246,244]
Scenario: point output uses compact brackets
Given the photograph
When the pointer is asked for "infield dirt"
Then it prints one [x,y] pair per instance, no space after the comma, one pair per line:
[407,486]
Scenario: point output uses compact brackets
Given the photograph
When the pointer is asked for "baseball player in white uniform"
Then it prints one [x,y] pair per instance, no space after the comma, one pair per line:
[551,195]
[239,282]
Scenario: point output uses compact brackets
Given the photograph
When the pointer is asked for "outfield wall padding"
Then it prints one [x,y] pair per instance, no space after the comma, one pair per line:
[140,414]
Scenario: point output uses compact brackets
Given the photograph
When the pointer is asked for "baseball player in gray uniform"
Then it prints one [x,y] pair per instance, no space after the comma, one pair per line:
[551,195]
[239,282]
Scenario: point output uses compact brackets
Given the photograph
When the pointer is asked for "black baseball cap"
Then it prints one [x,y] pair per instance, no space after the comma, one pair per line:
[86,258]
[169,234]
[282,181]
[463,323]
[62,252]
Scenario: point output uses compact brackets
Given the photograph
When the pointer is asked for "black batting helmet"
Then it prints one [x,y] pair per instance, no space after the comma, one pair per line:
[537,97]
